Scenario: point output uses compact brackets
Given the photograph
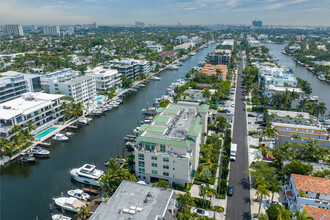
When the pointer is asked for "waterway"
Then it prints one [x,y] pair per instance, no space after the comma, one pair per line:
[320,88]
[26,191]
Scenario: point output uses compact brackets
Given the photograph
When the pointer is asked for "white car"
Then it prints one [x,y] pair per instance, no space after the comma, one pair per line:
[201,212]
[232,105]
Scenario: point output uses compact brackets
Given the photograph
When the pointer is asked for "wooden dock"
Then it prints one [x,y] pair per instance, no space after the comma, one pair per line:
[90,190]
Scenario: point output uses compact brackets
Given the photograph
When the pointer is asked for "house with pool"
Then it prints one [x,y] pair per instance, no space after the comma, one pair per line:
[169,147]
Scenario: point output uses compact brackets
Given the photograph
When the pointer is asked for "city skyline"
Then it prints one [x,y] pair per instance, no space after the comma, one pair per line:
[115,12]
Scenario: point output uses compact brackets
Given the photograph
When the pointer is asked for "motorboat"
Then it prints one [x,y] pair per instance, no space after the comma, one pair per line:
[82,121]
[151,110]
[87,174]
[60,137]
[69,203]
[192,54]
[97,112]
[155,78]
[69,134]
[136,131]
[60,217]
[142,85]
[39,152]
[27,158]
[172,67]
[79,194]
[321,77]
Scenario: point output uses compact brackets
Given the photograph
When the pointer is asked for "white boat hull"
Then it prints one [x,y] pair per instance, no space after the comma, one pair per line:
[76,177]
[61,202]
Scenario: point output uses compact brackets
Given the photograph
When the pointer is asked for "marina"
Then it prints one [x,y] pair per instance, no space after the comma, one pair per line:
[91,144]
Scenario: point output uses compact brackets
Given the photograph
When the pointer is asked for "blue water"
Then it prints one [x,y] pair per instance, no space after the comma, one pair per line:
[43,134]
[97,99]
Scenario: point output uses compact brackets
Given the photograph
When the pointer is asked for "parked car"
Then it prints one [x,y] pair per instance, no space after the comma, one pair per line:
[244,102]
[268,158]
[230,191]
[201,212]
[251,115]
[232,105]
[244,109]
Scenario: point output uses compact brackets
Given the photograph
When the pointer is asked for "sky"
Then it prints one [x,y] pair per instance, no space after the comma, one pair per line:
[162,12]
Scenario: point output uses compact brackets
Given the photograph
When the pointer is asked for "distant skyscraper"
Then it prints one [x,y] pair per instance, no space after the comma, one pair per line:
[139,24]
[257,23]
[91,26]
[52,30]
[14,29]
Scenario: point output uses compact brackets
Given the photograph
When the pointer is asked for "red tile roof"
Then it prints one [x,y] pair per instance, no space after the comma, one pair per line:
[212,69]
[317,213]
[312,184]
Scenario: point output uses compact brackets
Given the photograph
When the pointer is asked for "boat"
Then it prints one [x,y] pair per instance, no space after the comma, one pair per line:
[79,194]
[192,54]
[321,77]
[172,67]
[39,152]
[97,112]
[155,78]
[142,85]
[69,203]
[27,158]
[148,110]
[60,137]
[69,134]
[82,121]
[87,174]
[60,217]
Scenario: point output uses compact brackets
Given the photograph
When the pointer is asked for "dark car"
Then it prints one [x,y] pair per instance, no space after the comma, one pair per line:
[230,191]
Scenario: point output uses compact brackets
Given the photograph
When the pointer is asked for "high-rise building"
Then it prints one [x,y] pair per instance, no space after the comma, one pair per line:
[139,24]
[52,30]
[91,26]
[256,23]
[14,29]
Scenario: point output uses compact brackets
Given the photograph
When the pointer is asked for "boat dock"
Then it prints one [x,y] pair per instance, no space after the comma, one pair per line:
[90,190]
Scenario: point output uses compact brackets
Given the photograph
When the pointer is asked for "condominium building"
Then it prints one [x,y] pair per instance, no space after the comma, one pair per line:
[182,39]
[270,90]
[155,48]
[228,44]
[14,29]
[169,147]
[41,108]
[276,76]
[105,78]
[196,40]
[14,84]
[51,30]
[48,79]
[130,67]
[138,201]
[305,191]
[184,46]
[219,56]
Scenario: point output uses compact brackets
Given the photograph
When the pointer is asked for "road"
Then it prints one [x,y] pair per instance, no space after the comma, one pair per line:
[238,205]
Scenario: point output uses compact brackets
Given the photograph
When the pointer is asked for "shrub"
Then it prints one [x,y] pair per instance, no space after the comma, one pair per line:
[272,211]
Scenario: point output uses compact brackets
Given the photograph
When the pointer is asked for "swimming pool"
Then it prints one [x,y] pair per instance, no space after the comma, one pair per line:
[122,90]
[135,82]
[97,99]
[44,133]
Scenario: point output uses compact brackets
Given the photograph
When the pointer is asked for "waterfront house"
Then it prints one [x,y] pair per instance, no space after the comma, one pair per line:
[169,147]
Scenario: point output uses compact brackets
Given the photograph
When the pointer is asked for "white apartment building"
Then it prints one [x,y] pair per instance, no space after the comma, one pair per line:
[228,43]
[290,117]
[155,48]
[105,78]
[307,191]
[81,88]
[270,90]
[14,29]
[276,76]
[41,108]
[182,39]
[48,80]
[196,40]
[51,30]
[169,147]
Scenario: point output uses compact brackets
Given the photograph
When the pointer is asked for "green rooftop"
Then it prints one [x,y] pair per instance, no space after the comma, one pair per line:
[143,127]
[164,141]
[196,127]
[156,128]
[203,108]
[162,119]
[159,109]
[171,110]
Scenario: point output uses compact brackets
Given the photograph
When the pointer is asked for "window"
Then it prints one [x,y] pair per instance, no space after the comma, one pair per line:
[173,168]
[141,156]
[141,163]
[153,158]
[166,167]
[153,164]
[165,174]
[141,170]
[165,159]
[162,148]
[154,171]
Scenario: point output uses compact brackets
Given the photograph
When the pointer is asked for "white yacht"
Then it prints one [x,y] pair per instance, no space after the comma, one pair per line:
[172,67]
[60,137]
[82,121]
[155,78]
[79,194]
[69,203]
[321,77]
[60,217]
[87,174]
[39,152]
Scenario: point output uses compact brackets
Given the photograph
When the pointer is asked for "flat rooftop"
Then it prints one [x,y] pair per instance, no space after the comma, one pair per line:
[135,201]
[76,80]
[284,114]
[26,104]
[100,71]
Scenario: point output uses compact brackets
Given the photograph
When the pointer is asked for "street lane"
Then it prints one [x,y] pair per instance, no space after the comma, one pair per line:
[238,205]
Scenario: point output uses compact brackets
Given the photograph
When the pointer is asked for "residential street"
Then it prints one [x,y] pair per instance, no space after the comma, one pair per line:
[238,205]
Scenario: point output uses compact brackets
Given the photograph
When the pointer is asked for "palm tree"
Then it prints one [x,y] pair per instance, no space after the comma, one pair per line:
[274,186]
[303,215]
[30,126]
[15,129]
[5,144]
[321,108]
[83,212]
[299,116]
[283,214]
[184,200]
[207,93]
[262,191]
[203,191]
[302,106]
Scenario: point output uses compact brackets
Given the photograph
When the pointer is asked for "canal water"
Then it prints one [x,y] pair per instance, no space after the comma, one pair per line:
[320,88]
[26,191]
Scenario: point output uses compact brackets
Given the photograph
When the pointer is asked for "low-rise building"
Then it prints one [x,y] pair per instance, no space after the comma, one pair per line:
[316,212]
[308,191]
[169,147]
[195,95]
[182,39]
[290,117]
[41,108]
[184,46]
[137,201]
[105,78]
[155,48]
[228,43]
[270,90]
[218,70]
[14,84]
[219,56]
[276,76]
